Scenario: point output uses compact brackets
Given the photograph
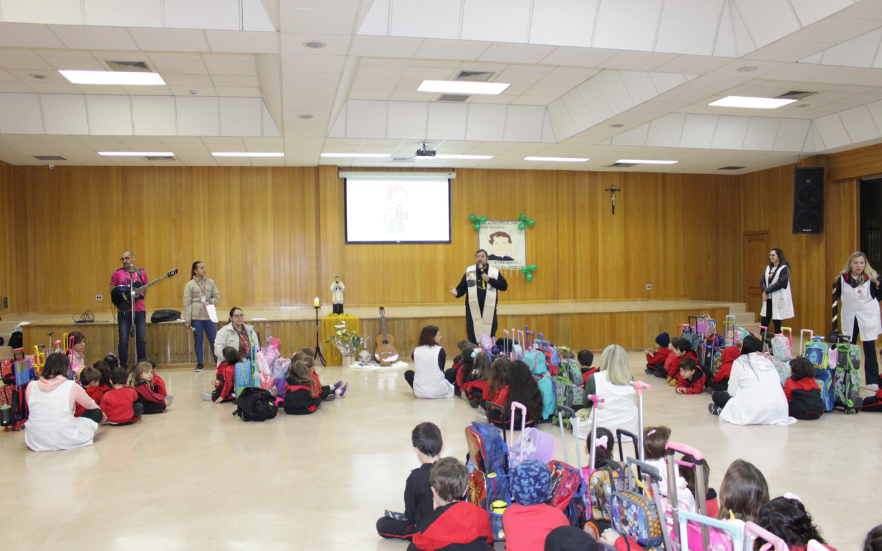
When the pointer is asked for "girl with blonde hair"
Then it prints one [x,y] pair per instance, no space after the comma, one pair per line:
[612,383]
[857,291]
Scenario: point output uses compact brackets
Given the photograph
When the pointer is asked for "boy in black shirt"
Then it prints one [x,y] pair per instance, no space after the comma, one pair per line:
[428,444]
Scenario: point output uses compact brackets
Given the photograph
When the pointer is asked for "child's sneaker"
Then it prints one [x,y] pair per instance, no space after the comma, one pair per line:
[337,385]
[396,516]
[713,409]
[206,397]
[672,381]
[342,390]
[330,398]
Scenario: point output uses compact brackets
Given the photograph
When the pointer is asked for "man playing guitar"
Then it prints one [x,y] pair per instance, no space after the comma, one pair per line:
[127,275]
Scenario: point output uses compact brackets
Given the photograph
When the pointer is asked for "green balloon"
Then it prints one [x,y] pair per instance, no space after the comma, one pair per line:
[473,218]
[477,225]
[529,277]
[532,268]
[522,226]
[531,222]
[524,270]
[522,216]
[483,219]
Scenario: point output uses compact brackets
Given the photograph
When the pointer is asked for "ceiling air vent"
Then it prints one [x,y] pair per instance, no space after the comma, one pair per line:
[474,76]
[459,98]
[795,94]
[49,158]
[128,66]
[619,165]
[730,168]
[160,158]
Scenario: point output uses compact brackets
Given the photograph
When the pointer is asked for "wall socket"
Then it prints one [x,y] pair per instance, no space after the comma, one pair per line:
[99,297]
[649,286]
[5,303]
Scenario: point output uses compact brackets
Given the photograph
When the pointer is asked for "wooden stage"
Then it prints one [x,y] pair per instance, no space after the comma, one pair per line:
[591,325]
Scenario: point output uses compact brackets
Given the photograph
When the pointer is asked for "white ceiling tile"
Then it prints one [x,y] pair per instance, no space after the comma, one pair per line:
[376,21]
[153,116]
[243,41]
[729,132]
[578,57]
[496,20]
[335,44]
[109,115]
[767,20]
[64,114]
[692,64]
[385,46]
[197,116]
[190,90]
[62,12]
[595,100]
[859,124]
[256,18]
[238,91]
[366,119]
[400,95]
[858,52]
[192,81]
[637,61]
[698,131]
[614,90]
[791,134]
[75,63]
[561,118]
[54,87]
[123,13]
[666,131]
[437,19]
[179,66]
[305,21]
[202,14]
[436,48]
[447,121]
[516,77]
[761,133]
[16,87]
[832,131]
[27,62]
[223,67]
[639,84]
[642,17]
[798,72]
[313,63]
[635,136]
[486,122]
[370,94]
[27,35]
[556,78]
[94,38]
[240,116]
[20,114]
[169,40]
[563,22]
[516,53]
[700,17]
[787,50]
[578,111]
[407,120]
[809,11]
[491,99]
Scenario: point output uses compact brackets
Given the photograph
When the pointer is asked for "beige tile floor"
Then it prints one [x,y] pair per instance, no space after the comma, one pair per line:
[198,478]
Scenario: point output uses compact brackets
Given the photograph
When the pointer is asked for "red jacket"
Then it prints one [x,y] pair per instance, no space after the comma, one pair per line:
[299,399]
[226,377]
[587,374]
[456,523]
[622,544]
[105,388]
[695,385]
[501,397]
[117,405]
[94,393]
[527,526]
[728,356]
[146,392]
[476,389]
[803,384]
[159,386]
[672,364]
[659,357]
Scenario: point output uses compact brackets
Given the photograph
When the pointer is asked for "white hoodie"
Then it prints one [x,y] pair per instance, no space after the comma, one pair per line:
[757,397]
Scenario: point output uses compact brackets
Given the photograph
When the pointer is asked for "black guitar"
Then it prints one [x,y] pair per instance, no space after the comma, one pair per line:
[122,296]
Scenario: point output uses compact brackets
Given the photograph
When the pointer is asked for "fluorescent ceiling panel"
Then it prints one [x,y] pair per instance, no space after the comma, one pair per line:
[123,78]
[645,162]
[462,87]
[751,103]
[556,159]
[136,153]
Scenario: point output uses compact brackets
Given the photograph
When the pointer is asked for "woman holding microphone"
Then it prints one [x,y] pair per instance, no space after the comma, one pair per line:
[198,294]
[777,300]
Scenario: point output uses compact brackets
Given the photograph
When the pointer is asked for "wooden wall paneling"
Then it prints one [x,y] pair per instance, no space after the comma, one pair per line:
[856,163]
[842,228]
[8,234]
[332,236]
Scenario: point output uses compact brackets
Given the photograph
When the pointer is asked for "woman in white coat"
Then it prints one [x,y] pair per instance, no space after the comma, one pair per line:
[858,293]
[51,402]
[777,299]
[236,334]
[755,395]
[612,383]
[427,377]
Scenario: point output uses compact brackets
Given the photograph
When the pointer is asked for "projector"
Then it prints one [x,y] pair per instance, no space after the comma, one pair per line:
[424,151]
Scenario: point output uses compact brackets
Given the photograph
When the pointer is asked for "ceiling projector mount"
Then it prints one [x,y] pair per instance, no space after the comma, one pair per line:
[425,151]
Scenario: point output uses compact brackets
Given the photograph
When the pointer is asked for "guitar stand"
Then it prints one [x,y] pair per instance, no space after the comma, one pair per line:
[318,342]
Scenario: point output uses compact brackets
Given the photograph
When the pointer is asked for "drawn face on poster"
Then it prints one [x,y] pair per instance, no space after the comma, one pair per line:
[505,243]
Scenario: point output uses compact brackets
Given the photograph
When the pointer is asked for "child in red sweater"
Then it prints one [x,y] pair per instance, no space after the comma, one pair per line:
[690,379]
[225,379]
[720,381]
[120,404]
[586,358]
[658,353]
[477,384]
[303,393]
[803,393]
[528,520]
[328,392]
[89,378]
[497,383]
[452,373]
[873,403]
[142,380]
[157,383]
[680,348]
[454,524]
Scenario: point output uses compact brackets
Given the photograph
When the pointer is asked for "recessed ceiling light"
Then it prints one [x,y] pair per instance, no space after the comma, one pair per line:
[747,69]
[125,78]
[751,102]
[462,157]
[314,44]
[617,125]
[40,77]
[304,116]
[462,87]
[364,155]
[193,92]
[556,159]
[136,153]
[645,162]
[245,154]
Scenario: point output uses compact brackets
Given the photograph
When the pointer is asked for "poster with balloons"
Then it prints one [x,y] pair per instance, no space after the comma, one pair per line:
[506,245]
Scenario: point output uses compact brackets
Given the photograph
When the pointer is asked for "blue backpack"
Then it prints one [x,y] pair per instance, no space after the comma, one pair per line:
[488,453]
[824,378]
[816,352]
[244,376]
[535,360]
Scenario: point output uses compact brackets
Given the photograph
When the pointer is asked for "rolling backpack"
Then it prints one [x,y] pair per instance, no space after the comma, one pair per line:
[847,378]
[824,379]
[568,489]
[609,478]
[635,514]
[489,481]
[781,350]
[255,404]
[244,376]
[567,390]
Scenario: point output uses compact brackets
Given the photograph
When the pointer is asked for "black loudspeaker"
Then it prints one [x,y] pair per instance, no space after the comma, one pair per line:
[808,200]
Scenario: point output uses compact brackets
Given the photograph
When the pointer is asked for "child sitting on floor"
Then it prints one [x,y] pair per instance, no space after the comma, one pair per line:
[477,385]
[654,441]
[688,473]
[157,383]
[497,383]
[452,373]
[104,382]
[803,393]
[303,393]
[466,364]
[529,520]
[454,523]
[428,445]
[328,392]
[586,358]
[89,378]
[690,379]
[76,352]
[680,348]
[120,404]
[787,518]
[657,353]
[225,379]
[720,380]
[142,380]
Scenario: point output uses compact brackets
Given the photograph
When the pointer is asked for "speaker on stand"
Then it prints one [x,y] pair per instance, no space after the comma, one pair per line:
[808,200]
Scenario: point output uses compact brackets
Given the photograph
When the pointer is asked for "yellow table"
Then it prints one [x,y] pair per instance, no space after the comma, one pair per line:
[332,355]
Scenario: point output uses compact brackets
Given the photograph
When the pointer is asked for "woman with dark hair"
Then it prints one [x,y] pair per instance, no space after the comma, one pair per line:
[237,334]
[787,518]
[777,299]
[51,402]
[755,395]
[199,293]
[427,377]
[522,388]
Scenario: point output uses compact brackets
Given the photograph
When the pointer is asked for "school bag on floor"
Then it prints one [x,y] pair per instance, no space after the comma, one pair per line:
[244,376]
[568,488]
[635,513]
[535,360]
[489,485]
[781,350]
[824,379]
[255,404]
[568,391]
[847,378]
[531,444]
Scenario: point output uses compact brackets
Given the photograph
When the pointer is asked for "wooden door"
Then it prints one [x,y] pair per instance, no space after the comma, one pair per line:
[756,258]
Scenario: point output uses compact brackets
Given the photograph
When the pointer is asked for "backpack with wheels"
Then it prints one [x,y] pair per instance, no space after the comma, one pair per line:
[255,404]
[847,378]
[488,489]
[635,513]
[567,390]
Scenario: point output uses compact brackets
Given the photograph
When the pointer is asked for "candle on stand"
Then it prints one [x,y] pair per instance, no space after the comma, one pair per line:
[316,302]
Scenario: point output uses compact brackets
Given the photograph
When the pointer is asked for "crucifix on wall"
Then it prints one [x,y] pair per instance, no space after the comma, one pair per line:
[612,196]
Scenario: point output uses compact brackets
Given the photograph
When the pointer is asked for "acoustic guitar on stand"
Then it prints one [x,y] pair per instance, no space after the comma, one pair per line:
[385,351]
